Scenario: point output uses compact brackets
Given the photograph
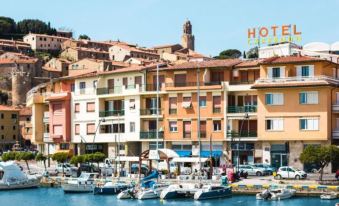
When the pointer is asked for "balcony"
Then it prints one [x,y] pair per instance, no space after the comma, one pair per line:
[150,111]
[335,107]
[335,134]
[296,81]
[242,109]
[241,82]
[151,135]
[243,134]
[112,113]
[216,110]
[192,84]
[106,90]
[120,89]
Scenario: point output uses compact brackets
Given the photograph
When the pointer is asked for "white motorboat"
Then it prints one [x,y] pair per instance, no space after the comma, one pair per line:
[179,191]
[12,177]
[110,188]
[151,193]
[213,192]
[329,196]
[276,194]
[84,183]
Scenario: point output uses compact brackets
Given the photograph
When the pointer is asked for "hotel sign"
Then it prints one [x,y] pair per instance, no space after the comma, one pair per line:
[273,34]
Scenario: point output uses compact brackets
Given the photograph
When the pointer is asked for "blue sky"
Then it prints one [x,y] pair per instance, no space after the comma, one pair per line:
[217,24]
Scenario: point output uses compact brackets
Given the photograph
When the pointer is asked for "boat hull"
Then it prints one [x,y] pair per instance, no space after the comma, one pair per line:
[108,190]
[25,185]
[77,188]
[213,194]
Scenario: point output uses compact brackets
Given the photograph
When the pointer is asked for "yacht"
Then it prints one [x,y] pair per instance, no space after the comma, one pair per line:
[151,193]
[179,191]
[12,177]
[212,192]
[84,183]
[329,196]
[276,194]
[128,194]
[111,188]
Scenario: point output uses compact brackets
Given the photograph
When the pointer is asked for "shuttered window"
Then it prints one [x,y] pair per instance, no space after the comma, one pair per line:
[309,124]
[91,128]
[308,97]
[90,107]
[274,124]
[274,99]
[77,129]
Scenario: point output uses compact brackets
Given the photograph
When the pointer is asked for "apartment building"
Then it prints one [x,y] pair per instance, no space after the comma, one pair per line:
[14,46]
[77,53]
[25,115]
[122,52]
[55,67]
[43,42]
[9,127]
[101,45]
[264,110]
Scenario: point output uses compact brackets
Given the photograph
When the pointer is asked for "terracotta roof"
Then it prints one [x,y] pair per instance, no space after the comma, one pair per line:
[51,69]
[25,111]
[8,108]
[207,64]
[20,61]
[296,84]
[165,46]
[291,59]
[133,68]
[88,49]
[135,49]
[249,63]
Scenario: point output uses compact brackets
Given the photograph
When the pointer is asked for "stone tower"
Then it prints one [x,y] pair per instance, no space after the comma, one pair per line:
[21,84]
[187,38]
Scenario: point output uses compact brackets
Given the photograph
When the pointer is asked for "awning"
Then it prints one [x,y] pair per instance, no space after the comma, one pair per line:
[206,153]
[188,159]
[127,159]
[184,153]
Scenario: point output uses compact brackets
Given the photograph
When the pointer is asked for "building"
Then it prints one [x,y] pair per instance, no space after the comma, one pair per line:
[25,124]
[77,53]
[9,127]
[100,45]
[44,42]
[55,67]
[122,52]
[66,34]
[14,46]
[187,38]
[282,49]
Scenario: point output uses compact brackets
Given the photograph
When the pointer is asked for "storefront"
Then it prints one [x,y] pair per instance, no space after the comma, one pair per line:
[242,151]
[279,155]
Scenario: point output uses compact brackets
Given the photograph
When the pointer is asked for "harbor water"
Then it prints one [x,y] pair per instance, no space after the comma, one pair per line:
[56,197]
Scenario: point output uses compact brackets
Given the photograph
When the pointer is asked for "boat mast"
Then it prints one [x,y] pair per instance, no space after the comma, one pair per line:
[198,100]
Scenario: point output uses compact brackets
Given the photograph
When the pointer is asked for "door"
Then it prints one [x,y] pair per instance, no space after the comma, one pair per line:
[161,81]
[279,160]
[125,82]
[138,81]
[152,125]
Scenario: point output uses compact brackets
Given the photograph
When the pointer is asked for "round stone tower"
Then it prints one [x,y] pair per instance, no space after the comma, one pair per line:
[21,84]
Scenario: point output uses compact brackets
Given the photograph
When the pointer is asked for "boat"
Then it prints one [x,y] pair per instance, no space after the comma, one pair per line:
[151,193]
[12,177]
[84,183]
[329,196]
[110,188]
[127,194]
[276,194]
[213,192]
[175,191]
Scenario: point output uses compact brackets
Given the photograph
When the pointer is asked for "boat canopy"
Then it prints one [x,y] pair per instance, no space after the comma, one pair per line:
[12,172]
[189,159]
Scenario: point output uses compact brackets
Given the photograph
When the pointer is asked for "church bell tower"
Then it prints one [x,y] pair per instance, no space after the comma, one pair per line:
[187,38]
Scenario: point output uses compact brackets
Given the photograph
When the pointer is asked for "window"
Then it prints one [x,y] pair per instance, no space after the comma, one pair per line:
[95,83]
[132,126]
[305,71]
[308,97]
[216,104]
[57,129]
[76,107]
[57,108]
[72,87]
[153,145]
[186,102]
[274,99]
[217,125]
[2,116]
[173,126]
[2,137]
[91,128]
[14,127]
[187,129]
[309,124]
[203,129]
[14,116]
[276,72]
[132,104]
[90,107]
[14,137]
[172,105]
[180,80]
[77,129]
[274,124]
[2,127]
[82,85]
[202,101]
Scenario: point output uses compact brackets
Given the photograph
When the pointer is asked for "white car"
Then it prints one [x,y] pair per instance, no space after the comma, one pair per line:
[290,173]
[67,168]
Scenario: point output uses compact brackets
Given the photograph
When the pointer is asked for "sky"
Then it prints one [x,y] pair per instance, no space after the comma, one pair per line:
[217,24]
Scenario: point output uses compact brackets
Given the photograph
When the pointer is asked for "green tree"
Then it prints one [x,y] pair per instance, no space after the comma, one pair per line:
[76,160]
[35,26]
[7,25]
[8,156]
[41,158]
[321,155]
[61,157]
[26,156]
[253,53]
[84,36]
[229,54]
[98,157]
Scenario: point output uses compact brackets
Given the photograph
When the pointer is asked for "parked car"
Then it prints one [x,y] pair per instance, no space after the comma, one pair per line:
[337,174]
[268,167]
[67,168]
[88,167]
[252,170]
[287,172]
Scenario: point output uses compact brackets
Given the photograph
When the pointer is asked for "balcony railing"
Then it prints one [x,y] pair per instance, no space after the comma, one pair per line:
[232,82]
[242,109]
[151,135]
[106,90]
[172,111]
[191,84]
[298,79]
[216,110]
[112,113]
[231,134]
[150,111]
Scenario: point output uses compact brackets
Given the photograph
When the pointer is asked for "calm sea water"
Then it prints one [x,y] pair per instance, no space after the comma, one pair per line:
[56,197]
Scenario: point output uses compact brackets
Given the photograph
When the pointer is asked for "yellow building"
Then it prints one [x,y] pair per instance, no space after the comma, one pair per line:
[9,127]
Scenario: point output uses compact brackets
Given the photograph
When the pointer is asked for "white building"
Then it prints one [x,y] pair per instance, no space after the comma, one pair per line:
[284,49]
[43,42]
